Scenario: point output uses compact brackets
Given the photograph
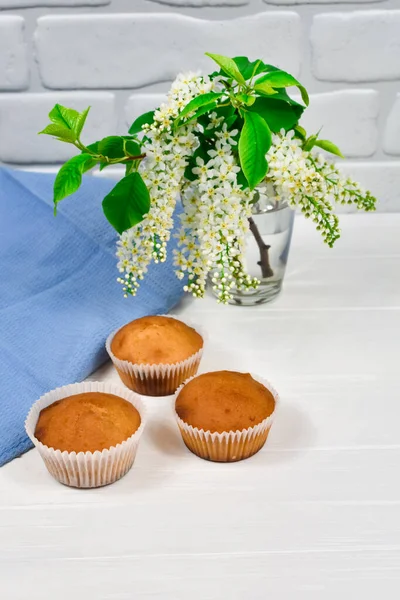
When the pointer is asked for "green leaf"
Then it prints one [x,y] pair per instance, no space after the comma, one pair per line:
[241,180]
[145,119]
[329,147]
[132,148]
[69,177]
[65,117]
[201,111]
[94,148]
[301,132]
[310,142]
[246,99]
[60,133]
[229,66]
[281,79]
[230,121]
[130,166]
[264,88]
[112,146]
[127,203]
[254,143]
[225,111]
[251,69]
[81,121]
[248,69]
[281,94]
[198,102]
[67,123]
[277,113]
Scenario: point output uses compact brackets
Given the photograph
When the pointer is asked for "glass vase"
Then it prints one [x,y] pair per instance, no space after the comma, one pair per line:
[267,250]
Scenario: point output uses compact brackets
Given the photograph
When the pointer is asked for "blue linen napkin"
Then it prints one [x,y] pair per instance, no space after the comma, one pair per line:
[59,297]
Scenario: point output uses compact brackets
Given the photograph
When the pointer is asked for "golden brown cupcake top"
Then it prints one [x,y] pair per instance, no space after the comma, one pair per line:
[156,340]
[224,401]
[87,422]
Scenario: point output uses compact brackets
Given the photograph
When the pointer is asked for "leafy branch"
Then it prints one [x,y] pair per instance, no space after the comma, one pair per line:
[246,104]
[255,100]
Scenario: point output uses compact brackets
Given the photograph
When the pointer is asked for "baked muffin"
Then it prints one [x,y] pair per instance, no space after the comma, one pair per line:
[225,415]
[154,355]
[87,422]
[87,434]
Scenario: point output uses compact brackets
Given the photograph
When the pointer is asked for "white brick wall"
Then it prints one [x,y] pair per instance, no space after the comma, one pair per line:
[356,46]
[347,52]
[28,3]
[391,141]
[113,51]
[14,74]
[347,116]
[20,115]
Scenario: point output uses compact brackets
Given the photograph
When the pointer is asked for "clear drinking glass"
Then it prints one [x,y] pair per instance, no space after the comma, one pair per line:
[268,244]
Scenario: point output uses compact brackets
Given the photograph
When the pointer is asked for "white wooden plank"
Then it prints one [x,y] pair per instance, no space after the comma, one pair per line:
[367,574]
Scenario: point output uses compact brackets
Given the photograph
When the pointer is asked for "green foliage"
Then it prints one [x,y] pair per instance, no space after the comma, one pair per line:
[246,99]
[210,107]
[145,119]
[264,89]
[281,79]
[228,66]
[252,69]
[312,141]
[329,147]
[255,101]
[69,177]
[254,143]
[300,132]
[131,147]
[117,147]
[127,203]
[81,120]
[112,147]
[60,133]
[279,114]
[66,123]
[208,102]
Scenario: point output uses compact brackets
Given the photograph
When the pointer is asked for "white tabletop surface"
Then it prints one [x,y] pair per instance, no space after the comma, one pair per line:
[315,515]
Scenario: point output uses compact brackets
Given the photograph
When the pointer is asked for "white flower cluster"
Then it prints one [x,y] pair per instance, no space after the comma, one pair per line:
[297,181]
[214,223]
[343,189]
[216,210]
[312,183]
[162,171]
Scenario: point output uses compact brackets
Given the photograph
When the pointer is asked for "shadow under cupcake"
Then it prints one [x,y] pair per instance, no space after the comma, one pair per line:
[154,355]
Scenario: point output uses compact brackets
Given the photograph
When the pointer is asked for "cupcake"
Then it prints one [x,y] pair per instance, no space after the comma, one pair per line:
[154,355]
[87,433]
[225,416]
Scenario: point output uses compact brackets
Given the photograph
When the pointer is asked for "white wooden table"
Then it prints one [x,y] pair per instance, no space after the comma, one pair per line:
[314,516]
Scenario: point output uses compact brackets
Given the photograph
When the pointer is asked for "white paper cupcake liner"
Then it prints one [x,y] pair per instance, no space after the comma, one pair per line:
[87,469]
[229,446]
[156,379]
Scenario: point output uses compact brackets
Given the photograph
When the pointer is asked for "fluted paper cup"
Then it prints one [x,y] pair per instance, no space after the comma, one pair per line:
[157,379]
[87,469]
[228,446]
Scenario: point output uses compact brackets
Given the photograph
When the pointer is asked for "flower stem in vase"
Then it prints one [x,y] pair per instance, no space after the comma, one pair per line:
[266,269]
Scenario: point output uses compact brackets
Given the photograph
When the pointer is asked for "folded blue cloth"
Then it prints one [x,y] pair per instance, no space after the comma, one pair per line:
[59,297]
